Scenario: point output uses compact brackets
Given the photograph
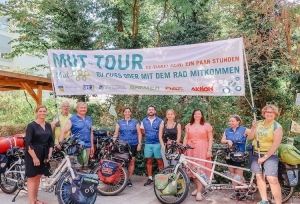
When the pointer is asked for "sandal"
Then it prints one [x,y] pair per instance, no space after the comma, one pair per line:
[39,202]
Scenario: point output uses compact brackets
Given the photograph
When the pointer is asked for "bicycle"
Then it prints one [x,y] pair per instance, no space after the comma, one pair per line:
[61,179]
[104,150]
[16,164]
[183,180]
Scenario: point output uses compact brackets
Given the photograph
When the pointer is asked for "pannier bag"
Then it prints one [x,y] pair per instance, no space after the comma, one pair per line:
[166,184]
[289,154]
[288,174]
[82,158]
[109,171]
[121,147]
[3,163]
[84,188]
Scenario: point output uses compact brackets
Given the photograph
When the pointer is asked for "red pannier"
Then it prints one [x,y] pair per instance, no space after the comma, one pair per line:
[109,171]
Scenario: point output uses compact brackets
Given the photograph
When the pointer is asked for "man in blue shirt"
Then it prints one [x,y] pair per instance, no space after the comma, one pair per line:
[150,127]
[80,125]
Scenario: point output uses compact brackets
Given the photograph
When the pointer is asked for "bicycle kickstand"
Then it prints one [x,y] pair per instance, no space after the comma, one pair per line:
[14,199]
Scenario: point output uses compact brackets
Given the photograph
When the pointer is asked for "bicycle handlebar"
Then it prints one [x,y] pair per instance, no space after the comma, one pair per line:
[180,146]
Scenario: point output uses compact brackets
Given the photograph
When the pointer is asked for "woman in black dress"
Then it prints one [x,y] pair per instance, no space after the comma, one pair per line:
[39,144]
[171,130]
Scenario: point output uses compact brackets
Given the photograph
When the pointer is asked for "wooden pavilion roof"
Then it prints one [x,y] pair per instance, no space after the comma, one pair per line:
[10,81]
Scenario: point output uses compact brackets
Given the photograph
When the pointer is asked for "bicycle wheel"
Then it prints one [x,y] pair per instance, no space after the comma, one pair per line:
[183,184]
[64,190]
[7,184]
[286,193]
[112,189]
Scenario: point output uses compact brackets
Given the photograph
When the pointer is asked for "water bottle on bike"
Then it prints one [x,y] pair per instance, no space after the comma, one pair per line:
[203,175]
[233,176]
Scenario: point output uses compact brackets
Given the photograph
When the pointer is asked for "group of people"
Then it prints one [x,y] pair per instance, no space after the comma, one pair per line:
[158,133]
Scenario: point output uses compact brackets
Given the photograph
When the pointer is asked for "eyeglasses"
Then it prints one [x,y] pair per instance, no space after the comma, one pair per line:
[270,112]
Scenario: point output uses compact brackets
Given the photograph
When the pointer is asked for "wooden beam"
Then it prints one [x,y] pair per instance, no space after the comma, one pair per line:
[18,84]
[39,95]
[24,76]
[11,89]
[30,91]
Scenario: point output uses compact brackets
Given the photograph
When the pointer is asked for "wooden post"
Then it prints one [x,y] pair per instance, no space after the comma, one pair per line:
[39,95]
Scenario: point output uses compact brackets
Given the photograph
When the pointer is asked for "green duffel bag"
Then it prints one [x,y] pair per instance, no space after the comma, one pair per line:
[166,184]
[289,154]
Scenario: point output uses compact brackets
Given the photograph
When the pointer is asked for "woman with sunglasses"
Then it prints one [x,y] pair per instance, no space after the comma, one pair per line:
[269,133]
[235,136]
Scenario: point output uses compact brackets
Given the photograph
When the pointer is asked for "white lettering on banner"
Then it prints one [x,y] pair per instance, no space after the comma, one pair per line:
[213,69]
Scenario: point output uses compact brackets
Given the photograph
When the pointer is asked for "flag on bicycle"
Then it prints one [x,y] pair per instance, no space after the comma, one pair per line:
[112,110]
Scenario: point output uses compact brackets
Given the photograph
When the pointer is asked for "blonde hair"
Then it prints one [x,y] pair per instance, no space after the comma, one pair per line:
[274,108]
[171,111]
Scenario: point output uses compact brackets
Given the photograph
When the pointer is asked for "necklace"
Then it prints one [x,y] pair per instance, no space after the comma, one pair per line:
[170,127]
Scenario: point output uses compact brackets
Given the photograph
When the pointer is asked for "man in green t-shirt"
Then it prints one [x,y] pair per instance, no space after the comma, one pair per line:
[59,121]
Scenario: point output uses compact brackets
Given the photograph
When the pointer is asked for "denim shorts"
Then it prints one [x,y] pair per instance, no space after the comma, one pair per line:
[269,167]
[152,150]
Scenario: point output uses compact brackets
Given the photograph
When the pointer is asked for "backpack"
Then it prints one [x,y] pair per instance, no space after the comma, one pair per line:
[289,154]
[109,171]
[166,184]
[84,188]
[288,175]
[3,163]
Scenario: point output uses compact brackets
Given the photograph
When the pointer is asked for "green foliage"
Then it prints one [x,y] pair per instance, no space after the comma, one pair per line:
[270,30]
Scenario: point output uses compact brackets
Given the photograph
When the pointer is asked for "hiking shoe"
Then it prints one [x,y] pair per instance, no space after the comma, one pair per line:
[263,202]
[243,196]
[234,195]
[129,183]
[149,181]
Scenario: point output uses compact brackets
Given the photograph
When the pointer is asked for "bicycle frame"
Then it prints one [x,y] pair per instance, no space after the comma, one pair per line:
[62,167]
[50,182]
[185,160]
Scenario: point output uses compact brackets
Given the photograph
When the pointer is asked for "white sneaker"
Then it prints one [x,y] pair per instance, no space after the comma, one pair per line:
[194,193]
[199,197]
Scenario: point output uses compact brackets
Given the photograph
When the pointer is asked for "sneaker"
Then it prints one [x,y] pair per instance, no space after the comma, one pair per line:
[234,195]
[263,202]
[129,183]
[149,181]
[199,197]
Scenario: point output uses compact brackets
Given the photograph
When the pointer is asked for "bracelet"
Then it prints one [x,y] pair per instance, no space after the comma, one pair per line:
[49,155]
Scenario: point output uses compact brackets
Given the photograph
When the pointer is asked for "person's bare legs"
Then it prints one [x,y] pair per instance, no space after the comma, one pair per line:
[33,187]
[262,187]
[275,188]
[131,167]
[149,166]
[160,163]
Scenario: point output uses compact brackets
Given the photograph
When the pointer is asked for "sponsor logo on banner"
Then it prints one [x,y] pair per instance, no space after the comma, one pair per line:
[88,87]
[80,75]
[61,89]
[102,87]
[144,87]
[203,88]
[172,88]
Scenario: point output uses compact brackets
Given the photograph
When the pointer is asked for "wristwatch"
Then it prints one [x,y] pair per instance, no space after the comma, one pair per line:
[266,156]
